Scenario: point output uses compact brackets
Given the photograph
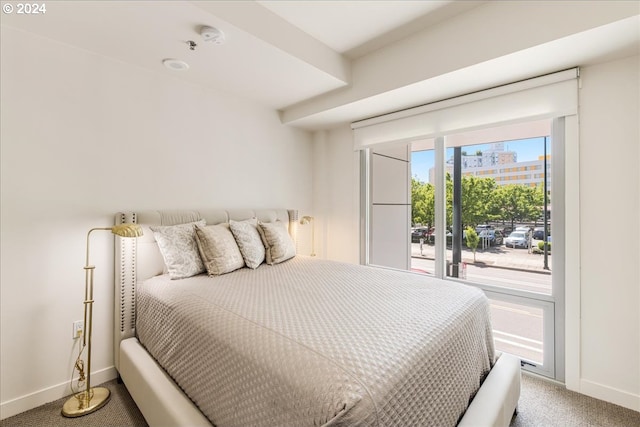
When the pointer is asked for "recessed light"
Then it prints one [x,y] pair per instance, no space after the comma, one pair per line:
[175,64]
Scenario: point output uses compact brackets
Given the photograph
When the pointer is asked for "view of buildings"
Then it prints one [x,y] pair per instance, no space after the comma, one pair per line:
[502,165]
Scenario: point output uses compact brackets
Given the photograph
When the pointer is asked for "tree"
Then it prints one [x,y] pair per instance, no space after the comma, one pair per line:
[477,200]
[519,202]
[472,241]
[449,196]
[422,202]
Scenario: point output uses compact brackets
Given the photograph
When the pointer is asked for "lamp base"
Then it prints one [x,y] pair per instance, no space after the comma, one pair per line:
[84,403]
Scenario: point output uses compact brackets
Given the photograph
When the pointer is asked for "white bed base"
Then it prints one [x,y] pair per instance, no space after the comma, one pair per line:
[163,403]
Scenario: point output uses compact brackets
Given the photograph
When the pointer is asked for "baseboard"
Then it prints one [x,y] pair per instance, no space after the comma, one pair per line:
[543,378]
[598,391]
[610,394]
[38,398]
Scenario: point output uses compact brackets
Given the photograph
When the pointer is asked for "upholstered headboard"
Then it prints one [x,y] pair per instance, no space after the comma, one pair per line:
[139,259]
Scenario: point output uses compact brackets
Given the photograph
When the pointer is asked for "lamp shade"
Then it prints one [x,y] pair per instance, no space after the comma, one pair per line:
[127,230]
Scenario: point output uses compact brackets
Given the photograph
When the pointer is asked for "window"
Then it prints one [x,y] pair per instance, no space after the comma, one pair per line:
[459,123]
[497,207]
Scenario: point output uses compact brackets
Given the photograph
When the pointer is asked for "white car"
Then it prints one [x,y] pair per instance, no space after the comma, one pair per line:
[517,239]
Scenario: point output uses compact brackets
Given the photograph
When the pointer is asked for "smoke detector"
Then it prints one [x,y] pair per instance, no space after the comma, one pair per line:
[210,34]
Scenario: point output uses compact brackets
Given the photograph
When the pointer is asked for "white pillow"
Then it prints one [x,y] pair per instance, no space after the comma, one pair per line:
[179,249]
[278,244]
[249,241]
[218,249]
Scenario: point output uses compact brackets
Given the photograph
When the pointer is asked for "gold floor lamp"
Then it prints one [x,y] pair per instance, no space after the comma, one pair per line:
[92,399]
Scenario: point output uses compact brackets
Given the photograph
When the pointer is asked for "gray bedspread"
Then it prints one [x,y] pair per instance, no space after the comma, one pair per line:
[318,343]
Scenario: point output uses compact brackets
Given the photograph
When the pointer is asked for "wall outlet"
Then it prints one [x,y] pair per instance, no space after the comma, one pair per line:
[78,329]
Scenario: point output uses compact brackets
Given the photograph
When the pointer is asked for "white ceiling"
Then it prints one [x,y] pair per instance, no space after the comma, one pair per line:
[347,25]
[253,62]
[284,53]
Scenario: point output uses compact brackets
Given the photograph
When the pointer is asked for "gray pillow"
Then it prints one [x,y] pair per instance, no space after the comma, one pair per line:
[179,249]
[218,249]
[278,244]
[249,241]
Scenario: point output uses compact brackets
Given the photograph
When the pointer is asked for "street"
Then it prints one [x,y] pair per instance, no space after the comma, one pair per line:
[534,281]
[517,329]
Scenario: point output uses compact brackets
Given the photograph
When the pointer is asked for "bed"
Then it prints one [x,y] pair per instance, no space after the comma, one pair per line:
[302,341]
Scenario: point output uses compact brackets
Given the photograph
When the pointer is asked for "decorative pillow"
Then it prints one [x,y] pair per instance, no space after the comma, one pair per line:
[278,244]
[179,249]
[218,249]
[249,241]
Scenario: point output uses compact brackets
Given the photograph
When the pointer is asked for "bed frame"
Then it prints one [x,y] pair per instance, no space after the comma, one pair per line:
[161,401]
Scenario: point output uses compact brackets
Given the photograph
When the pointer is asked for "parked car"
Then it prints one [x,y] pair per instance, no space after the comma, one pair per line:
[493,237]
[419,233]
[432,237]
[483,227]
[517,239]
[538,233]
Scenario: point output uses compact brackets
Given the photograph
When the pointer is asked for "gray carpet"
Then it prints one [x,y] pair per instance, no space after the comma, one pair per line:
[546,404]
[542,404]
[120,411]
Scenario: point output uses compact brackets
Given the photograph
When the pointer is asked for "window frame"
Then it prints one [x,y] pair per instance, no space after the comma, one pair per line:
[550,97]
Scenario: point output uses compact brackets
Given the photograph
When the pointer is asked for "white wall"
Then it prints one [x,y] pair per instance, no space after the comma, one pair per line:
[83,137]
[336,187]
[608,356]
[609,244]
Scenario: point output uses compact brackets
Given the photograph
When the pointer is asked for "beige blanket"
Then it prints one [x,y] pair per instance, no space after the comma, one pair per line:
[311,342]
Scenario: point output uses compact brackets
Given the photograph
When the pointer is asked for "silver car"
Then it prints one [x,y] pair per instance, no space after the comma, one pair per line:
[517,239]
[491,237]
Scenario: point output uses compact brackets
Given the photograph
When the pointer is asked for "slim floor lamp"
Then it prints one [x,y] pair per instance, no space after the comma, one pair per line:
[92,399]
[309,220]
